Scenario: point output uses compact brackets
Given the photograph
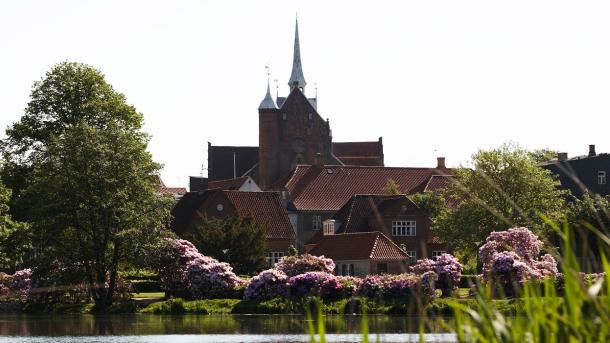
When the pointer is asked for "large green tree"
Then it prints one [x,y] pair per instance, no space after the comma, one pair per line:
[236,240]
[14,240]
[84,180]
[505,188]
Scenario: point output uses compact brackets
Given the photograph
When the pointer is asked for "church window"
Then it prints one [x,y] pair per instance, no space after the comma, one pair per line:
[601,177]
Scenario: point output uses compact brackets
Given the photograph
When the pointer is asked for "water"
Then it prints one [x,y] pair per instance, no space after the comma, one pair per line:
[136,328]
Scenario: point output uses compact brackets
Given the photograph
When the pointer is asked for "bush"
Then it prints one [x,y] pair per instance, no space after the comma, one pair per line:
[406,287]
[267,285]
[208,279]
[321,284]
[296,265]
[447,268]
[510,258]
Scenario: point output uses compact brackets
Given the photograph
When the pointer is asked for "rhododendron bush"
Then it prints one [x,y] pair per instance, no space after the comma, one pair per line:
[295,265]
[512,257]
[321,284]
[447,268]
[183,268]
[402,286]
[267,285]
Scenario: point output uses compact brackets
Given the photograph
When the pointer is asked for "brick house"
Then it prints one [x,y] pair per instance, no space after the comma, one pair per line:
[360,253]
[266,209]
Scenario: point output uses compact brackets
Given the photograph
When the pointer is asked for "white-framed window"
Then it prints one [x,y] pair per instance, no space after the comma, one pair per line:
[274,257]
[404,227]
[412,255]
[347,269]
[316,222]
[601,177]
[437,253]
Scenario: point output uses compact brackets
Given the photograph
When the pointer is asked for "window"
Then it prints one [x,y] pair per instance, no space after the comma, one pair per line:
[316,222]
[346,269]
[437,253]
[274,257]
[404,227]
[412,255]
[382,268]
[601,177]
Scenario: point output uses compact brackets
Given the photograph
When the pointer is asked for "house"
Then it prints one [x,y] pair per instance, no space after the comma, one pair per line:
[244,184]
[360,253]
[266,209]
[319,192]
[176,192]
[396,216]
[582,174]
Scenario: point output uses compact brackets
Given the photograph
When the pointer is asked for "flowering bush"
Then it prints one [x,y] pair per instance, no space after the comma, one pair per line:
[321,284]
[447,268]
[402,286]
[183,268]
[22,282]
[295,265]
[349,284]
[511,258]
[267,285]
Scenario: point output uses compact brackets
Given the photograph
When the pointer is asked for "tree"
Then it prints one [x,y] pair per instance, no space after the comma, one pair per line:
[543,155]
[14,242]
[70,93]
[235,240]
[81,175]
[432,203]
[585,216]
[505,189]
[392,188]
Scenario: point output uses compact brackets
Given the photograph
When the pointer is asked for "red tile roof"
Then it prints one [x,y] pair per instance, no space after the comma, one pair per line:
[358,246]
[439,182]
[359,153]
[228,184]
[173,190]
[329,188]
[265,208]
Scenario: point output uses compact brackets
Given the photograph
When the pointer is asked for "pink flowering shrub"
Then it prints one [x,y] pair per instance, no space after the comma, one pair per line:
[321,284]
[185,271]
[349,284]
[268,284]
[22,282]
[395,287]
[511,258]
[447,268]
[295,265]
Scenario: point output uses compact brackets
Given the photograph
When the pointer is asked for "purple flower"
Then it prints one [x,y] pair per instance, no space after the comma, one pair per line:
[295,265]
[267,285]
[321,284]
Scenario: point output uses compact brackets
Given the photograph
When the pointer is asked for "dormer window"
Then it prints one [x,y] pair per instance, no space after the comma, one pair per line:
[601,177]
[329,227]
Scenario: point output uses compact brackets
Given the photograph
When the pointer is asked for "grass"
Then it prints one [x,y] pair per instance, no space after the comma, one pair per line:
[150,295]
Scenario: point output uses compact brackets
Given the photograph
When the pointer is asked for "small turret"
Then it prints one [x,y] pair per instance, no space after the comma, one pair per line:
[268,102]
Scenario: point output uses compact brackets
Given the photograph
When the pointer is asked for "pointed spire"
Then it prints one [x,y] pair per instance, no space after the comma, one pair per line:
[268,102]
[296,77]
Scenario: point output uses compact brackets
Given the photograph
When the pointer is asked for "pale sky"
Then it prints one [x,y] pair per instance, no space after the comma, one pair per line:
[434,78]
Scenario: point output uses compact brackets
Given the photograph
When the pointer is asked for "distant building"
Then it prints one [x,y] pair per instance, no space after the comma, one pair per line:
[361,253]
[266,209]
[582,174]
[177,192]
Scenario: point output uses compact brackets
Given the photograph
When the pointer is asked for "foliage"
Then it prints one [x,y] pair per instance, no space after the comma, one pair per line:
[392,188]
[81,175]
[505,189]
[14,243]
[409,287]
[235,240]
[432,203]
[321,284]
[172,258]
[295,265]
[543,155]
[447,268]
[292,251]
[582,214]
[266,285]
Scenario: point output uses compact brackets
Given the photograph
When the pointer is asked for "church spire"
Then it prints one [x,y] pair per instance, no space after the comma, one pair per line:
[296,77]
[268,102]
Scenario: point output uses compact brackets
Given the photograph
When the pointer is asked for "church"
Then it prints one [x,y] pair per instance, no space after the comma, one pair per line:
[291,133]
[315,194]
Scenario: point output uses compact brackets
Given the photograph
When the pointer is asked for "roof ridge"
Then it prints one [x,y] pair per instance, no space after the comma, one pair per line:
[374,246]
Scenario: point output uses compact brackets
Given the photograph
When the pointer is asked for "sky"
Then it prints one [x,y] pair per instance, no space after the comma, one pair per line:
[433,78]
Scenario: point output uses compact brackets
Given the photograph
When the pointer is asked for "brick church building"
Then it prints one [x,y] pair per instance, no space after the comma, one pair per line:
[291,133]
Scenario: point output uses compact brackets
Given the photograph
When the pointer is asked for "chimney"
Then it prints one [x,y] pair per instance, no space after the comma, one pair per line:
[562,156]
[591,150]
[440,163]
[319,162]
[329,227]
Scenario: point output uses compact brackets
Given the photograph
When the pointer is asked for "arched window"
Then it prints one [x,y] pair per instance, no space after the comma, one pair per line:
[601,177]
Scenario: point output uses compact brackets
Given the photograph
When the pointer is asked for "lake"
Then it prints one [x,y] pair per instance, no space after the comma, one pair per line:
[208,328]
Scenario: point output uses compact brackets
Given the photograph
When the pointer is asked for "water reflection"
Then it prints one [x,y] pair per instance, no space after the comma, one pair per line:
[136,324]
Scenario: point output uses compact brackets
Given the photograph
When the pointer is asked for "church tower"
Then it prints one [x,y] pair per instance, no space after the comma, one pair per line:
[294,133]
